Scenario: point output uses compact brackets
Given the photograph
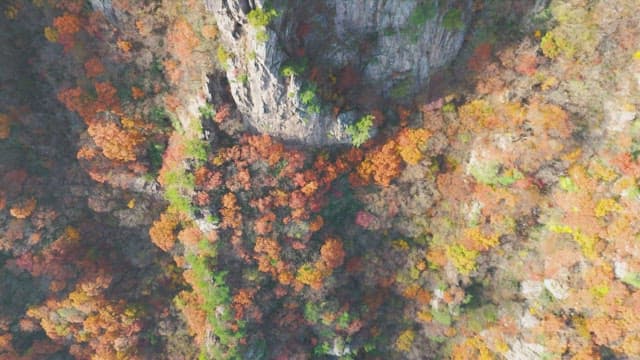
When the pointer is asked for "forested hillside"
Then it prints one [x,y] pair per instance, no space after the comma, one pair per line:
[327,179]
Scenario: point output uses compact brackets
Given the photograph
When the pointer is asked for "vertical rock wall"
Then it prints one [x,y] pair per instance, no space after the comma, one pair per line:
[395,44]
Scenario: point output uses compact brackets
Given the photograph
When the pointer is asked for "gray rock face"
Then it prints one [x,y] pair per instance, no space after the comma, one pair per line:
[520,350]
[410,41]
[267,101]
[106,7]
[394,44]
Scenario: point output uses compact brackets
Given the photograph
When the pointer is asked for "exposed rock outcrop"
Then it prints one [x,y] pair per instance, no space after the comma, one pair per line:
[106,7]
[393,45]
[408,38]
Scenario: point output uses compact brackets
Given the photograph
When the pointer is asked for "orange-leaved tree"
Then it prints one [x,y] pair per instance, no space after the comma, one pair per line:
[332,253]
[116,143]
[107,97]
[182,40]
[23,209]
[410,142]
[383,164]
[67,24]
[231,216]
[5,129]
[93,67]
[162,231]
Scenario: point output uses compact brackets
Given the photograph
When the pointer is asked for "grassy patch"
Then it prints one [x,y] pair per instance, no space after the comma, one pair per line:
[632,279]
[442,317]
[197,150]
[178,186]
[492,174]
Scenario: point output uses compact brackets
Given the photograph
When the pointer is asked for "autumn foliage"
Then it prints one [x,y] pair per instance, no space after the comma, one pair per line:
[93,67]
[99,326]
[23,209]
[116,143]
[381,165]
[162,232]
[499,221]
[4,126]
[410,144]
[480,57]
[182,39]
[67,24]
[332,253]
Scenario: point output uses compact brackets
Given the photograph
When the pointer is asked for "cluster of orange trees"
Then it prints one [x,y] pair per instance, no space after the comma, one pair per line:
[486,227]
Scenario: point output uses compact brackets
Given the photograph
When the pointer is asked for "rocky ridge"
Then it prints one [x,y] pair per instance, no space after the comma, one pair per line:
[393,44]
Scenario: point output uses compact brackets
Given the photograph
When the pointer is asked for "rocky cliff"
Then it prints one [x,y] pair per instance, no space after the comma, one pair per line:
[284,62]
